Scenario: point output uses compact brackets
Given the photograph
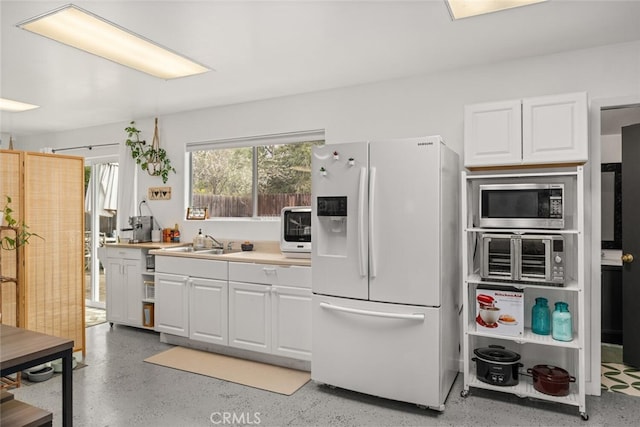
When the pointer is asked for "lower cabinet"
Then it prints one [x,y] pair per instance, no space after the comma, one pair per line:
[172,304]
[611,304]
[208,314]
[291,322]
[258,307]
[250,316]
[191,298]
[124,286]
[270,309]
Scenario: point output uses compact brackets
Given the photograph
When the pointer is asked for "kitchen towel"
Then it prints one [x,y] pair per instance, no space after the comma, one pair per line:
[246,372]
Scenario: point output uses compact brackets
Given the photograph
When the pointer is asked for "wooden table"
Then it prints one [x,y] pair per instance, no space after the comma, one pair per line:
[21,349]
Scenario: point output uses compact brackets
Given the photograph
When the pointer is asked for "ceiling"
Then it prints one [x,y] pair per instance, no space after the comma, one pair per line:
[264,49]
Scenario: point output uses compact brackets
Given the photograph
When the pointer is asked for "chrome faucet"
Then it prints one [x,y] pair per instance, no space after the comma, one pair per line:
[229,246]
[217,245]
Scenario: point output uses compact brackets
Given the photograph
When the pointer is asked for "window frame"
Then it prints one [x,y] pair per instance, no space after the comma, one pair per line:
[254,142]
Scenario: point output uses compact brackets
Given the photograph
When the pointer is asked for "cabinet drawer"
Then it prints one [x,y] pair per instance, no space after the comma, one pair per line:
[207,268]
[128,253]
[294,275]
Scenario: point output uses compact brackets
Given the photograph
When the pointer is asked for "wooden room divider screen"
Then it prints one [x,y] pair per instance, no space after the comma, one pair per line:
[49,198]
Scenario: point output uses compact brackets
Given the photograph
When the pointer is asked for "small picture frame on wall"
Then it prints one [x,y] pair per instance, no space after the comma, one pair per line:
[197,213]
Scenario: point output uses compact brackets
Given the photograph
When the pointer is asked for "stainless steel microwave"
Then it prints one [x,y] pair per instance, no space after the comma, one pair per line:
[522,206]
[523,258]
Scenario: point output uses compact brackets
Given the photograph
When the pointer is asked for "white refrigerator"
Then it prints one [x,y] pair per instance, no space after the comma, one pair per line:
[385,273]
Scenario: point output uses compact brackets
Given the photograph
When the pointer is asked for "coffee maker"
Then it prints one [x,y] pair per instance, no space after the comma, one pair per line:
[142,226]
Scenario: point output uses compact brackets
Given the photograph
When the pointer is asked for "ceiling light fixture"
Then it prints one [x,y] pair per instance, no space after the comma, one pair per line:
[466,8]
[15,106]
[81,29]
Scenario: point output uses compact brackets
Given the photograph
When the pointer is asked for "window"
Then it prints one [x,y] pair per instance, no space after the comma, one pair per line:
[252,177]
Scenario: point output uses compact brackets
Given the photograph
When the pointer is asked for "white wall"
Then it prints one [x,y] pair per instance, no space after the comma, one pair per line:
[422,105]
[611,148]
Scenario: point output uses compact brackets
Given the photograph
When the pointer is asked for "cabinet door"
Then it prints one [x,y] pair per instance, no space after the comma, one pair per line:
[250,316]
[555,129]
[132,297]
[172,304]
[208,310]
[291,313]
[116,291]
[492,134]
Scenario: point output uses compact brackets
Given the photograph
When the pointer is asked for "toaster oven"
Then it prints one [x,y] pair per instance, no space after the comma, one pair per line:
[523,258]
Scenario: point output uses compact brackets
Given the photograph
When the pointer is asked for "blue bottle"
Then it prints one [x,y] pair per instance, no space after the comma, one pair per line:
[541,317]
[562,328]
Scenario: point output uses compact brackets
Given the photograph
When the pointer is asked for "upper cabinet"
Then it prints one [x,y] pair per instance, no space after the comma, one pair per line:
[540,130]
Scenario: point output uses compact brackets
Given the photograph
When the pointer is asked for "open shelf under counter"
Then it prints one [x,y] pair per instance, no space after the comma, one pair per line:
[525,388]
[571,285]
[528,337]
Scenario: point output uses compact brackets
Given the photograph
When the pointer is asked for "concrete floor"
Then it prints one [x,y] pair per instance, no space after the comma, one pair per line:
[118,389]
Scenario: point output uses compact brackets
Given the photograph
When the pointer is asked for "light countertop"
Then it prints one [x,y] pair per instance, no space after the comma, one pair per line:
[147,245]
[263,253]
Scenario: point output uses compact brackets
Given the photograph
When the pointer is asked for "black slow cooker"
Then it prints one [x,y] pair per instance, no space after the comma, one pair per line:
[496,365]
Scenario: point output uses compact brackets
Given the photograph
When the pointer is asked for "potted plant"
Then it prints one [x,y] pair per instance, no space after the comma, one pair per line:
[152,159]
[22,235]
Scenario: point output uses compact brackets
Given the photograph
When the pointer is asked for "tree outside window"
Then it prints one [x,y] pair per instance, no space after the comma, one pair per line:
[252,181]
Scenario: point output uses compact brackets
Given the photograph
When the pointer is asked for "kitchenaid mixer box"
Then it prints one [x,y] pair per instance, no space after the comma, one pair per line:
[500,311]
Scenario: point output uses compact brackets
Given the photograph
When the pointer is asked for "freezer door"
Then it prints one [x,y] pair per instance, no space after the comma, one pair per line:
[339,220]
[404,221]
[385,350]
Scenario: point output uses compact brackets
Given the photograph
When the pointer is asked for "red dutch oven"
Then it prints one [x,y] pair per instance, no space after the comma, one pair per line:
[551,380]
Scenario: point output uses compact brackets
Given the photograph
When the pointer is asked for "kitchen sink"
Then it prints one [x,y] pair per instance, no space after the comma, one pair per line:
[191,249]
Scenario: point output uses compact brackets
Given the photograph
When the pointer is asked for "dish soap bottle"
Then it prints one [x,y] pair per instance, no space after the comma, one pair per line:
[541,317]
[562,324]
[199,241]
[176,234]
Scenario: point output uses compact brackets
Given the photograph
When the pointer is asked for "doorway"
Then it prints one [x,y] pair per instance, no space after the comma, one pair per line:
[101,189]
[613,119]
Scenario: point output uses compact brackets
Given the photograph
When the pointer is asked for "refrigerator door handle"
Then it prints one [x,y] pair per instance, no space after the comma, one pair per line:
[362,244]
[372,242]
[412,316]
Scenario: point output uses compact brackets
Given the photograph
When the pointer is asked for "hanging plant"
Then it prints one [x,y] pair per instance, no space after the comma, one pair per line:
[152,159]
[22,235]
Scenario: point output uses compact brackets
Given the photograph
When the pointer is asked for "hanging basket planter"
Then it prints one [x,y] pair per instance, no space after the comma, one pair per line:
[152,159]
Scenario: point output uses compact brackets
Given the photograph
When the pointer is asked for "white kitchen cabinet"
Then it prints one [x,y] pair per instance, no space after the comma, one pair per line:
[124,285]
[250,316]
[208,313]
[270,309]
[531,131]
[191,298]
[493,134]
[534,349]
[291,322]
[172,304]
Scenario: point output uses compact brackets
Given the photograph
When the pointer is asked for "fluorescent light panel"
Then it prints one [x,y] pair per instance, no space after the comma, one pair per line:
[83,30]
[466,8]
[15,106]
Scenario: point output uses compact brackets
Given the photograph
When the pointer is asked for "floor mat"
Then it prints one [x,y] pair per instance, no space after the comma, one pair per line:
[254,374]
[619,378]
[94,316]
